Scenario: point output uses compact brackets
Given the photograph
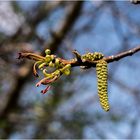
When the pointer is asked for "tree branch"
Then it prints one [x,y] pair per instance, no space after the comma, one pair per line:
[122,55]
[77,61]
[108,59]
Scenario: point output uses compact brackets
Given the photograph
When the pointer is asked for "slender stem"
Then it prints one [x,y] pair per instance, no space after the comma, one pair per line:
[31,56]
[122,55]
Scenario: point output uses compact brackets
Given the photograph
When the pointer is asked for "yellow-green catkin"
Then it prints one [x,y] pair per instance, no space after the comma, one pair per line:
[92,56]
[102,72]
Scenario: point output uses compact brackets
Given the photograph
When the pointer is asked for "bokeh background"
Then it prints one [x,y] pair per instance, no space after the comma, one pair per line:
[71,108]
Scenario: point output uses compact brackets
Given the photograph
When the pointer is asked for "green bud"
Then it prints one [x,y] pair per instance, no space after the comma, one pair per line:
[61,65]
[51,64]
[57,62]
[68,66]
[45,73]
[66,72]
[52,57]
[66,69]
[48,51]
[48,58]
[41,65]
[57,72]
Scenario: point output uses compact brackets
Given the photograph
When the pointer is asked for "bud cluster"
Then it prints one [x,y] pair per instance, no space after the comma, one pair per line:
[51,61]
[92,56]
[60,66]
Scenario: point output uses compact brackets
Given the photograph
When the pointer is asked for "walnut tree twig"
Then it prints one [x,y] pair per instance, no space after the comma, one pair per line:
[77,61]
[109,59]
[119,56]
[62,66]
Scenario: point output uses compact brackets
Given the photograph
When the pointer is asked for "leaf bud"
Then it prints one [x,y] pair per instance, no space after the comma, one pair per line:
[47,51]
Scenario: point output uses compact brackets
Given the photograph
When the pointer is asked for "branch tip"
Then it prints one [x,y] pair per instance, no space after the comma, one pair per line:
[77,54]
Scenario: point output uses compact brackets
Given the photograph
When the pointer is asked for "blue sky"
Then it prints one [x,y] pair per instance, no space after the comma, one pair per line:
[101,38]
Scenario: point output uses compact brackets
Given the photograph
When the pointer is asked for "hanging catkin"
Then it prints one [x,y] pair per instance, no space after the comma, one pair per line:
[101,69]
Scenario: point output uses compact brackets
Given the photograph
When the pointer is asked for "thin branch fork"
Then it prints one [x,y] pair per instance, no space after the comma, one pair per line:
[78,62]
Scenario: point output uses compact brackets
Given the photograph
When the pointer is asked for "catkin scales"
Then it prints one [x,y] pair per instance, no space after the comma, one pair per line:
[102,72]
